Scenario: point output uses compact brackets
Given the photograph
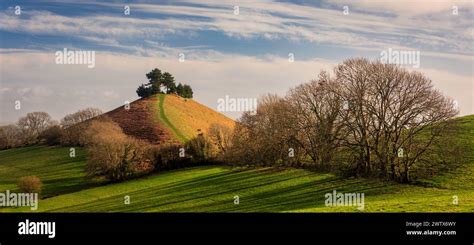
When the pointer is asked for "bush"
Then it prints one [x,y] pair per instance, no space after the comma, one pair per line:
[201,149]
[30,184]
[52,135]
[221,137]
[79,134]
[167,157]
[112,154]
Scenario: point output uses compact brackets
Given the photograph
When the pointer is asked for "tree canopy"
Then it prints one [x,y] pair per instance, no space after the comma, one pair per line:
[163,82]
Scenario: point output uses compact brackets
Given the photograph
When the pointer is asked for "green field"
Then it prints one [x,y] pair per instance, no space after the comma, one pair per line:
[59,172]
[212,188]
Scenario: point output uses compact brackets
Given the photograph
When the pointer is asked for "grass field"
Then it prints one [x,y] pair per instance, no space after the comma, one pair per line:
[59,172]
[212,188]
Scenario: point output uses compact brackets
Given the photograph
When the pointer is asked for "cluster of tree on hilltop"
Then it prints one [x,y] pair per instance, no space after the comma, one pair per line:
[159,82]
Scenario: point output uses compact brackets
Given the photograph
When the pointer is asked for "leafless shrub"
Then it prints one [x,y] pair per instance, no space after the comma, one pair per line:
[10,136]
[264,138]
[30,184]
[221,137]
[52,135]
[112,154]
[200,148]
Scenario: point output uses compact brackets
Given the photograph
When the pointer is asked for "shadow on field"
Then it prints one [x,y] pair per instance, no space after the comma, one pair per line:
[276,192]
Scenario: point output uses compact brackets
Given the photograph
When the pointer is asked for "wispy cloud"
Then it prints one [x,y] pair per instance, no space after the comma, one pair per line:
[442,33]
[155,34]
[115,77]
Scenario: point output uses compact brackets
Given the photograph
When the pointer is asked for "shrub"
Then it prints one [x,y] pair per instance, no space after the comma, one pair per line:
[201,149]
[221,137]
[30,184]
[52,135]
[167,157]
[112,154]
[79,134]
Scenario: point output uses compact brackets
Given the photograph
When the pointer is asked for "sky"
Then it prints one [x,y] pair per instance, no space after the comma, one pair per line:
[234,48]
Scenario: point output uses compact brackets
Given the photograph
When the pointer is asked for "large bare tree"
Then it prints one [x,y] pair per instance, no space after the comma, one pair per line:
[33,124]
[314,110]
[394,115]
[368,118]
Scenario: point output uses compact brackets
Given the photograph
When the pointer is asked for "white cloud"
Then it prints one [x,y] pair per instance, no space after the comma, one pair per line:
[441,34]
[65,89]
[408,7]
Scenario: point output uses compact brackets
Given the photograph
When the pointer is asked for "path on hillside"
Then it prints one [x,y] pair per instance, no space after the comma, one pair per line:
[165,120]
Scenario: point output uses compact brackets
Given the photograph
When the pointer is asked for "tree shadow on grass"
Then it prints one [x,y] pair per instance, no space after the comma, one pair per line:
[195,189]
[277,192]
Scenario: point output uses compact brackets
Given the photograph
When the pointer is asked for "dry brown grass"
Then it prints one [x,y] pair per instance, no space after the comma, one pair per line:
[191,117]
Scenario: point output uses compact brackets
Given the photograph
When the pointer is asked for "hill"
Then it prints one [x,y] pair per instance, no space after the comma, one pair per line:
[166,119]
[212,188]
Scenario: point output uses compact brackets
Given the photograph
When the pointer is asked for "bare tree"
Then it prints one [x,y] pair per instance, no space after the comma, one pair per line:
[33,124]
[221,136]
[394,115]
[314,111]
[378,119]
[264,137]
[80,116]
[10,136]
[76,124]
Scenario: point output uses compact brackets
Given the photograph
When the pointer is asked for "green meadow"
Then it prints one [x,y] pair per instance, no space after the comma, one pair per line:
[66,188]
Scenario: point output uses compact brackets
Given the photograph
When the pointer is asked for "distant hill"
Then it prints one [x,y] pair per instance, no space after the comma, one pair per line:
[166,119]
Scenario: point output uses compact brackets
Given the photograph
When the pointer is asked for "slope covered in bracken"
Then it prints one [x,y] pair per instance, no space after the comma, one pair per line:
[166,119]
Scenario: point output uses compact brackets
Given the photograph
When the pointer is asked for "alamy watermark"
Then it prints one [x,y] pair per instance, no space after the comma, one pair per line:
[228,104]
[12,199]
[77,57]
[334,199]
[401,57]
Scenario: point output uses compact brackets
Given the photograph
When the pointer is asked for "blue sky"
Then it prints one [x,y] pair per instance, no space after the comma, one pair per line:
[244,55]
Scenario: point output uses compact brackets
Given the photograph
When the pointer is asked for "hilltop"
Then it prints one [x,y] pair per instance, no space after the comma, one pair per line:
[166,118]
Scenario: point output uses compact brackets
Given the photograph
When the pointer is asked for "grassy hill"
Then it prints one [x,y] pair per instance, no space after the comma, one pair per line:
[212,188]
[166,119]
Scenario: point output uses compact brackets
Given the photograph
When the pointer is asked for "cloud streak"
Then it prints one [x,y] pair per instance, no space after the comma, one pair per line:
[116,76]
[443,34]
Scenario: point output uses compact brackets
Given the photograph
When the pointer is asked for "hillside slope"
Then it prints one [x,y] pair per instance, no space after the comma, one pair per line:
[166,119]
[212,188]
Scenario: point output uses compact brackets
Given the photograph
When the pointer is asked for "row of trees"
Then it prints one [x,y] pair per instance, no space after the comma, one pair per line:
[159,82]
[39,127]
[368,119]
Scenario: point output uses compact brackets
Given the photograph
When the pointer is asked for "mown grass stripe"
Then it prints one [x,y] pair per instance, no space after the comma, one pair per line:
[165,119]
